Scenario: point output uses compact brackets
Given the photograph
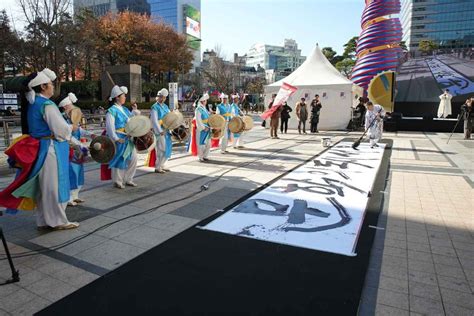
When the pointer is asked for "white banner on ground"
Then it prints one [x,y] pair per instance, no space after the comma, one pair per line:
[320,205]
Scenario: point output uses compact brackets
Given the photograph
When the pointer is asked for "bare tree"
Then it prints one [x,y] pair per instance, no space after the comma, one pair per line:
[44,32]
[218,72]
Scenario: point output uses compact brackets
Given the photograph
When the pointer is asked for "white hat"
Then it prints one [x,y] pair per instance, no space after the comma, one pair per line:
[204,97]
[163,92]
[235,96]
[223,96]
[70,99]
[42,77]
[116,91]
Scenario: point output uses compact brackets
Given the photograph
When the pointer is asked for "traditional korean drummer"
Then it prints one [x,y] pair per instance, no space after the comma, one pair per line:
[225,109]
[76,168]
[236,111]
[163,136]
[124,163]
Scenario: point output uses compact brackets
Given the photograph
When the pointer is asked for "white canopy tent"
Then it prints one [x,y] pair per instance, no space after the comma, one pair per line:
[317,76]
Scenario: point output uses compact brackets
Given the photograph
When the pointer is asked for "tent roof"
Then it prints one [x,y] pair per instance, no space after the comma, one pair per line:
[316,70]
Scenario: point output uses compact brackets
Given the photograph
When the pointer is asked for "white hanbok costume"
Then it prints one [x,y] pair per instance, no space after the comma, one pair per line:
[444,108]
[374,124]
[204,142]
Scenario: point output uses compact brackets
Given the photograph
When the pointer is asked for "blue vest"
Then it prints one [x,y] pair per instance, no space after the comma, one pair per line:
[161,111]
[225,110]
[121,119]
[235,108]
[77,133]
[37,126]
[204,115]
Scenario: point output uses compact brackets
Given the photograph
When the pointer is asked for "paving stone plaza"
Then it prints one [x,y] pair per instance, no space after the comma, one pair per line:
[422,259]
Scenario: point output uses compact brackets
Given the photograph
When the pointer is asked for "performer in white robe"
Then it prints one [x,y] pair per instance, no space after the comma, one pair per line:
[225,109]
[444,108]
[164,143]
[236,111]
[76,169]
[203,131]
[374,123]
[46,184]
[124,163]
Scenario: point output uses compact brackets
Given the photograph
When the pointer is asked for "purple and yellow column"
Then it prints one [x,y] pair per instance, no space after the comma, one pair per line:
[378,48]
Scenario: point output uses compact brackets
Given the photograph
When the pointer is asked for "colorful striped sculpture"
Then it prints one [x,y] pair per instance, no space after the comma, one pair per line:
[378,47]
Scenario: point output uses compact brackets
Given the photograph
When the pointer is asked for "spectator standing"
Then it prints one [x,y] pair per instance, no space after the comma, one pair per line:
[468,117]
[285,116]
[302,114]
[315,111]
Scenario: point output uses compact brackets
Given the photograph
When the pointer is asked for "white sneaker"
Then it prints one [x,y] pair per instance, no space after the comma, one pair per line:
[119,185]
[131,184]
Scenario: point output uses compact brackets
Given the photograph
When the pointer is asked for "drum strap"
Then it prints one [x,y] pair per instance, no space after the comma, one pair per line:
[121,130]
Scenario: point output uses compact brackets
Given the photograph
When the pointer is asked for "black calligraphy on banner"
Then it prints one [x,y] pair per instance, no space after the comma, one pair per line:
[328,194]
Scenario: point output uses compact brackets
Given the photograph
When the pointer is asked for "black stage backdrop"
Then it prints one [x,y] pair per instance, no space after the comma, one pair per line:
[200,272]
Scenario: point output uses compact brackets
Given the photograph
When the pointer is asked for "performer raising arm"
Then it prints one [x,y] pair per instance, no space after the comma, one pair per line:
[225,110]
[76,168]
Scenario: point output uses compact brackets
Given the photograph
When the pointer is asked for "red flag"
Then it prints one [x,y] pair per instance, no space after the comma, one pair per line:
[285,92]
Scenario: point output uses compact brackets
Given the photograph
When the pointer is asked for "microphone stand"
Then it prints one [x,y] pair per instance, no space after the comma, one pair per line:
[15,274]
[455,126]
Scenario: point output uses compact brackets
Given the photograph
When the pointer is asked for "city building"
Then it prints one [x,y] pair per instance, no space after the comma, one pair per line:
[183,15]
[278,61]
[449,23]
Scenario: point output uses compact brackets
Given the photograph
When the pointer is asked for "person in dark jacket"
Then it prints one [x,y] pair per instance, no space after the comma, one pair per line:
[468,117]
[315,111]
[302,114]
[285,116]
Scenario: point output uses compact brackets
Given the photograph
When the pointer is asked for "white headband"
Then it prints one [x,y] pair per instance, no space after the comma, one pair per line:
[70,99]
[204,97]
[116,91]
[42,77]
[163,92]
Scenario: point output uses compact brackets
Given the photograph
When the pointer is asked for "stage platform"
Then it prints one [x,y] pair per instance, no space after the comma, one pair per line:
[424,124]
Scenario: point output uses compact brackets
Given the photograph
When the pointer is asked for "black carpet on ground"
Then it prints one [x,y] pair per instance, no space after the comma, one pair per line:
[200,272]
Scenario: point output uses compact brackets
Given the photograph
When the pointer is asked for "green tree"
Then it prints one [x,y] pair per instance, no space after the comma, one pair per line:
[427,46]
[329,52]
[331,55]
[345,66]
[403,45]
[6,38]
[350,48]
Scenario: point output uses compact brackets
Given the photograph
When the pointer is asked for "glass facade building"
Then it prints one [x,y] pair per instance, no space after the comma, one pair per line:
[170,12]
[279,60]
[449,23]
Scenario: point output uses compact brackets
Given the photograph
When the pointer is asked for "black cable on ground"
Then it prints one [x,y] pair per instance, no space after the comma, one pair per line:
[203,187]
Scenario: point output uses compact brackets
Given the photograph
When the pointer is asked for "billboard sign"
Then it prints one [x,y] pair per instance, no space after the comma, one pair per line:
[192,20]
[193,28]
